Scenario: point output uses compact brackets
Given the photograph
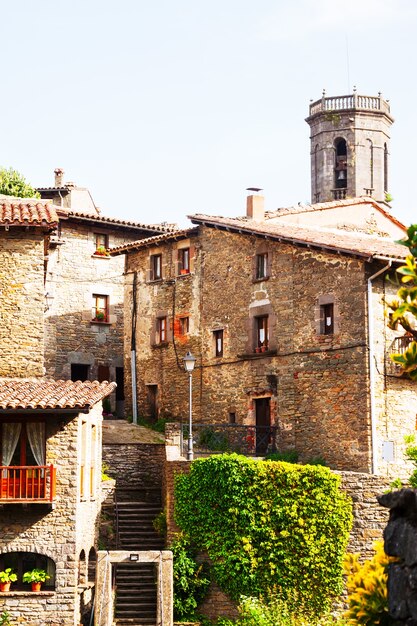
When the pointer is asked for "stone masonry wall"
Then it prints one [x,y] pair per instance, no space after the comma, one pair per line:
[59,533]
[22,291]
[317,384]
[369,522]
[74,275]
[135,465]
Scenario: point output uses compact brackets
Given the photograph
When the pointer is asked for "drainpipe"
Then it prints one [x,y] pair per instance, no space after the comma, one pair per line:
[371,334]
[133,349]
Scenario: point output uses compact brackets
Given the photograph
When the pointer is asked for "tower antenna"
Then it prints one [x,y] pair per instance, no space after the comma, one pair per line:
[347,62]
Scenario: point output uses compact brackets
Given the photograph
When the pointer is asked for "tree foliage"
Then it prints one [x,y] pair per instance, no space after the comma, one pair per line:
[267,526]
[402,310]
[12,183]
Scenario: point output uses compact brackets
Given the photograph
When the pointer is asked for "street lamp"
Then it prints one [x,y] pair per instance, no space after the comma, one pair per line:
[189,364]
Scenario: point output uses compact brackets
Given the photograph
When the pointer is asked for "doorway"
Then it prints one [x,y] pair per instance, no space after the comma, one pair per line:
[153,402]
[263,425]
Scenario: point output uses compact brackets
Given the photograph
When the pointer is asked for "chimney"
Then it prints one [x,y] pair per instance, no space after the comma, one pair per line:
[255,205]
[59,175]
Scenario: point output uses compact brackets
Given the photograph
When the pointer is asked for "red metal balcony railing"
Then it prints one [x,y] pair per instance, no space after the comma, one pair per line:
[29,483]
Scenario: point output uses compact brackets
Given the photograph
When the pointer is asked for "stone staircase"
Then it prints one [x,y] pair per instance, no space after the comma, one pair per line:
[135,582]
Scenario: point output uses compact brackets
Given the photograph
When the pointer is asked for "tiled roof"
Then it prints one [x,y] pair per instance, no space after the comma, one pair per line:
[354,243]
[27,212]
[324,206]
[154,241]
[43,393]
[93,217]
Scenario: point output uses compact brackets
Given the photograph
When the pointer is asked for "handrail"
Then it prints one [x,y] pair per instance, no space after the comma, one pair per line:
[27,483]
[348,102]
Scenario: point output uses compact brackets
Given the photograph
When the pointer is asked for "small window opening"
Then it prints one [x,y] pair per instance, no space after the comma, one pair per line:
[232,417]
[184,326]
[162,330]
[156,266]
[341,164]
[184,260]
[102,243]
[218,342]
[327,319]
[261,265]
[262,333]
[100,311]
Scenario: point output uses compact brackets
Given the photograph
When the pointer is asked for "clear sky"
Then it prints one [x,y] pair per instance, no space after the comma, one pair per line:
[164,108]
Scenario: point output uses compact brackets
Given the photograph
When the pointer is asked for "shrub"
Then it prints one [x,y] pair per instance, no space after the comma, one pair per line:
[275,612]
[191,581]
[367,588]
[267,524]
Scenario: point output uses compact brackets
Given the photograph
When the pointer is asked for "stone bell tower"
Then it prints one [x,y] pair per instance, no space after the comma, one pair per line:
[349,147]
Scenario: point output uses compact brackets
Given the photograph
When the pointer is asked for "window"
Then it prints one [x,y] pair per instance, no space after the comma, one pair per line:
[327,318]
[262,334]
[156,267]
[340,164]
[184,326]
[162,330]
[102,243]
[21,562]
[218,342]
[232,417]
[261,270]
[79,371]
[100,312]
[184,260]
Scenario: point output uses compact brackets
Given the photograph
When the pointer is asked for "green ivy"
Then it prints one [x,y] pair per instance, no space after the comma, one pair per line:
[191,580]
[267,525]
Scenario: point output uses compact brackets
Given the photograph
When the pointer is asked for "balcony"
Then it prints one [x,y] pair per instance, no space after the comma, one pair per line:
[398,346]
[30,484]
[218,438]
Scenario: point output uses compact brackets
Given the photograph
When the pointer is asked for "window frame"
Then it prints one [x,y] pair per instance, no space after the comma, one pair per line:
[101,241]
[156,266]
[98,310]
[184,258]
[183,325]
[327,313]
[218,335]
[261,326]
[162,330]
[261,265]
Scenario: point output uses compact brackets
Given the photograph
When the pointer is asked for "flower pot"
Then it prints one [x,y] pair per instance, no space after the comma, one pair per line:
[264,349]
[257,350]
[4,586]
[36,586]
[184,272]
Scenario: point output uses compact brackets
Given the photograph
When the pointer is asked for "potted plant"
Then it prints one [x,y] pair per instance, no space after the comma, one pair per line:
[101,251]
[100,316]
[7,576]
[36,577]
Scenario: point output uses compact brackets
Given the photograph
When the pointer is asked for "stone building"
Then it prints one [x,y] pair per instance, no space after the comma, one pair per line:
[284,322]
[50,438]
[349,147]
[84,286]
[284,311]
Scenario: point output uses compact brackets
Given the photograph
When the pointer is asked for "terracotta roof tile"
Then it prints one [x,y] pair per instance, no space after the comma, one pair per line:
[358,244]
[324,206]
[154,241]
[111,220]
[27,212]
[43,393]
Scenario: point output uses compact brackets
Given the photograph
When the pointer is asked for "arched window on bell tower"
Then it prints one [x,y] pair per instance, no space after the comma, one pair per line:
[385,168]
[340,168]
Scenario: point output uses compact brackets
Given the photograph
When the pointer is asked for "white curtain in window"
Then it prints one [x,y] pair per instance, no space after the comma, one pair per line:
[11,434]
[36,436]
